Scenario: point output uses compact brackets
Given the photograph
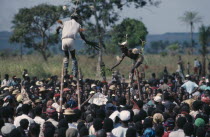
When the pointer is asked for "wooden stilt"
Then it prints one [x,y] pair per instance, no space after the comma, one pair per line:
[61,90]
[78,92]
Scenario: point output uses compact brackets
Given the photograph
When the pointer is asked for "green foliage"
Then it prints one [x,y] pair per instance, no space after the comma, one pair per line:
[135,29]
[173,47]
[33,27]
[190,18]
[204,38]
[163,54]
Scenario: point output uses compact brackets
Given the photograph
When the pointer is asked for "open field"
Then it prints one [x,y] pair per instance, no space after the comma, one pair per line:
[37,67]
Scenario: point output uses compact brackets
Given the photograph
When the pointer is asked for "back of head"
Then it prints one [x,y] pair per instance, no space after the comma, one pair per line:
[34,129]
[15,133]
[101,133]
[83,131]
[108,125]
[148,123]
[200,132]
[181,122]
[140,103]
[25,108]
[24,123]
[131,132]
[159,130]
[38,111]
[71,132]
[188,129]
[49,129]
[97,124]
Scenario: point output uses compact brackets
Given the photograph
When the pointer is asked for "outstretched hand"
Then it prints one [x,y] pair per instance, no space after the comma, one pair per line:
[93,44]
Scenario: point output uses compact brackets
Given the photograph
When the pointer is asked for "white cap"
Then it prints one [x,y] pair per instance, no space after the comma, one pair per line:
[125,115]
[157,99]
[92,92]
[93,85]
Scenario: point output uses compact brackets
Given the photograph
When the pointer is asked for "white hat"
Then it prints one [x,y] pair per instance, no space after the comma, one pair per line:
[123,43]
[135,51]
[187,76]
[125,115]
[114,115]
[93,85]
[157,99]
[92,92]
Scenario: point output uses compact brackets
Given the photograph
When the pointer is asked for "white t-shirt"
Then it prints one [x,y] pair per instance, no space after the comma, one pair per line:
[70,29]
[119,131]
[189,86]
[196,63]
[23,116]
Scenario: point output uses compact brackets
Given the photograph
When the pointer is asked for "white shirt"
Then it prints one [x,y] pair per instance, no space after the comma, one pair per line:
[40,121]
[55,123]
[189,86]
[119,131]
[6,83]
[23,116]
[70,29]
[196,63]
[178,133]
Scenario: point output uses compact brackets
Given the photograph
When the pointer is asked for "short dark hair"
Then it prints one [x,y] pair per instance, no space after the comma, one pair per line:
[49,129]
[200,132]
[180,122]
[140,103]
[25,108]
[34,129]
[15,133]
[38,111]
[83,131]
[197,105]
[159,130]
[108,125]
[148,123]
[97,124]
[188,129]
[139,127]
[131,132]
[24,123]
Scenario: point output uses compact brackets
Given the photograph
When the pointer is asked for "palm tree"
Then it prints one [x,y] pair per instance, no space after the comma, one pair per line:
[204,39]
[190,18]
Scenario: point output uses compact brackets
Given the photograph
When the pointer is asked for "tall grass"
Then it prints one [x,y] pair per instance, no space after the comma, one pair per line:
[36,66]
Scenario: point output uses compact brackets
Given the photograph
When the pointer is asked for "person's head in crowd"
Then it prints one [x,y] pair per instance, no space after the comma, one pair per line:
[131,132]
[199,122]
[6,76]
[100,113]
[80,125]
[169,124]
[108,125]
[139,127]
[188,129]
[189,118]
[197,105]
[6,129]
[71,132]
[125,116]
[97,124]
[166,96]
[180,122]
[101,133]
[38,111]
[122,101]
[15,133]
[34,130]
[159,130]
[69,115]
[206,109]
[83,132]
[52,113]
[24,124]
[62,124]
[140,103]
[62,132]
[158,118]
[25,109]
[200,132]
[148,123]
[48,129]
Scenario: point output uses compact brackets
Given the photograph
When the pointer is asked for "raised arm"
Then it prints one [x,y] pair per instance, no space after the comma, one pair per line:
[118,63]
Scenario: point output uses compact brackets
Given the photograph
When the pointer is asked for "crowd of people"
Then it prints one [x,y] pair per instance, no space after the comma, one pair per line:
[158,107]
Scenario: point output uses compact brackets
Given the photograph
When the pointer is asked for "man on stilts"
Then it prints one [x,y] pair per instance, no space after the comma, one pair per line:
[69,30]
[133,54]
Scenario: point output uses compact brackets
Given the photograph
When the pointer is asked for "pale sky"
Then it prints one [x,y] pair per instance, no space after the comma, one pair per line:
[158,20]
